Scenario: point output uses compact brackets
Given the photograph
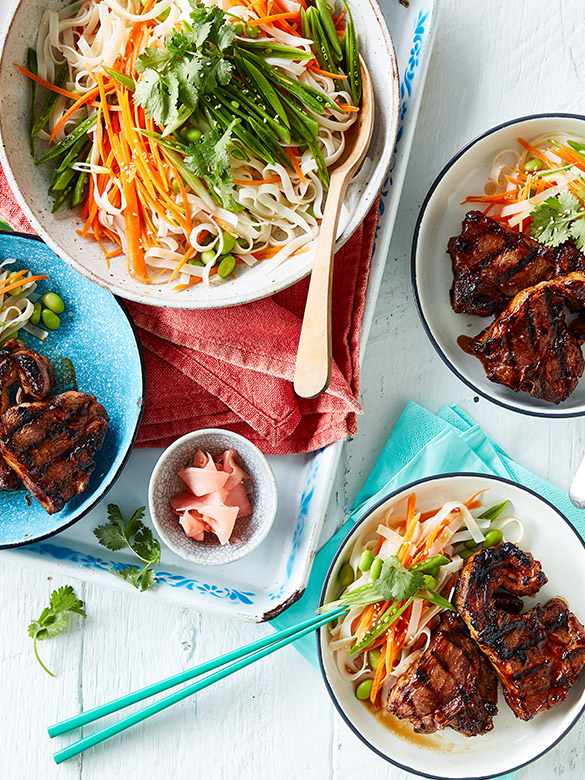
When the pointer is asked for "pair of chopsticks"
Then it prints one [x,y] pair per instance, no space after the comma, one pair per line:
[244,656]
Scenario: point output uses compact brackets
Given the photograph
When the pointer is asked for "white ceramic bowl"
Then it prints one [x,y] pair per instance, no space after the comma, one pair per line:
[440,218]
[513,743]
[30,183]
[164,484]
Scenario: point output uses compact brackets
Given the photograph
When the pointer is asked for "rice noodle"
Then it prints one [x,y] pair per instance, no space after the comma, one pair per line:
[92,34]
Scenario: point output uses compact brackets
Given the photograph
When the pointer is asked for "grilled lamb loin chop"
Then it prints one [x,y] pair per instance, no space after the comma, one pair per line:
[493,263]
[34,374]
[530,346]
[51,445]
[451,684]
[538,655]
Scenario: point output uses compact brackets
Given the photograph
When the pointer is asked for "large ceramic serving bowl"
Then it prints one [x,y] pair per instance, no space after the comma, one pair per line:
[30,183]
[512,743]
[440,218]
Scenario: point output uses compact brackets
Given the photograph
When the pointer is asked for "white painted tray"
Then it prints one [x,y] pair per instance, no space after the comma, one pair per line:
[274,576]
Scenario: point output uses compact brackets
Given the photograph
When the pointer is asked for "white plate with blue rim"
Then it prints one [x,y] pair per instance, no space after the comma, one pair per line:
[440,218]
[94,351]
[513,743]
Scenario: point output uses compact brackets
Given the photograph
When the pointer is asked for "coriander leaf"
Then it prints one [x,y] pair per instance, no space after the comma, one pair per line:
[53,619]
[154,59]
[570,204]
[109,536]
[148,579]
[209,159]
[145,546]
[131,574]
[396,582]
[117,534]
[65,600]
[577,233]
[151,94]
[547,225]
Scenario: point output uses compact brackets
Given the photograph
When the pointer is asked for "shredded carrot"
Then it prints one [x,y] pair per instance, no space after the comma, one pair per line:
[257,182]
[273,18]
[295,163]
[78,103]
[187,256]
[46,84]
[471,501]
[14,285]
[114,253]
[326,73]
[534,152]
[347,107]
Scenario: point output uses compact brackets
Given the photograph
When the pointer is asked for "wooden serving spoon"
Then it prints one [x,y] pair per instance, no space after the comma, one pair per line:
[313,366]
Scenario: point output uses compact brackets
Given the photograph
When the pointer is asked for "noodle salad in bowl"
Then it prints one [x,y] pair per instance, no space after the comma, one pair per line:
[397,576]
[193,138]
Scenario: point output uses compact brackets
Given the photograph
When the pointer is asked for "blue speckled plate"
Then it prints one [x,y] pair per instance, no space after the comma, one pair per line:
[95,351]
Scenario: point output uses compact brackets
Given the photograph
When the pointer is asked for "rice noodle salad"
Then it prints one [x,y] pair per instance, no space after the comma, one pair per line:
[18,301]
[396,577]
[194,136]
[538,188]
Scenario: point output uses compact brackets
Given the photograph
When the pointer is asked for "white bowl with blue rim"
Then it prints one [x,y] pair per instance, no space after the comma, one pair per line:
[513,743]
[249,531]
[94,351]
[440,218]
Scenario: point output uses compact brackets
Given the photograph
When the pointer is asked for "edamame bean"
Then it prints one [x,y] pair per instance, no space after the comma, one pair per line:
[192,134]
[50,319]
[238,28]
[252,31]
[374,658]
[53,302]
[17,290]
[35,317]
[195,261]
[8,336]
[208,256]
[533,165]
[229,243]
[376,568]
[226,266]
[430,582]
[471,544]
[366,560]
[345,575]
[492,538]
[465,554]
[364,689]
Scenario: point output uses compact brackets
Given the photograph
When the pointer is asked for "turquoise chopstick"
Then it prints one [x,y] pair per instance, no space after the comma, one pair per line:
[247,655]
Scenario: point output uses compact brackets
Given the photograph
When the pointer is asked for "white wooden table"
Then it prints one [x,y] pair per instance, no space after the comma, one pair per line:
[492,61]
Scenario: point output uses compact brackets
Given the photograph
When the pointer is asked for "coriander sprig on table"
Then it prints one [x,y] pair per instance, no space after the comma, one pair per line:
[117,534]
[53,619]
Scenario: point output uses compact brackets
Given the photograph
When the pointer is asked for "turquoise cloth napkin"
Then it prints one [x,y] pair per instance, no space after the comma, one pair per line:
[421,444]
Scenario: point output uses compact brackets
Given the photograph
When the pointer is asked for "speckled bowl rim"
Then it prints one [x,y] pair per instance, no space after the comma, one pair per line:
[155,475]
[105,487]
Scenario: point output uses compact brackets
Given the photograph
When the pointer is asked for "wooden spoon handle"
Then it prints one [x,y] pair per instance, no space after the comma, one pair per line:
[313,366]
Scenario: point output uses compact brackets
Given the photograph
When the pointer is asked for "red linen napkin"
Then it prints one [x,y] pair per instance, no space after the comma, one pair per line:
[233,368]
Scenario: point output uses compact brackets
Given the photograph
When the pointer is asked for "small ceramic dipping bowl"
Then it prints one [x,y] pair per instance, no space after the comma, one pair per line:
[164,484]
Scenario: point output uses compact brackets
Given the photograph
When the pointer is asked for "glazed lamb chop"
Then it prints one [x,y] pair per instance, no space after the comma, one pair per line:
[451,684]
[51,445]
[539,654]
[33,374]
[530,346]
[492,263]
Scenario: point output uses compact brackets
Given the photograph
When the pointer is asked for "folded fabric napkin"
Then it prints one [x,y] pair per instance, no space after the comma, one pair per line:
[422,444]
[233,368]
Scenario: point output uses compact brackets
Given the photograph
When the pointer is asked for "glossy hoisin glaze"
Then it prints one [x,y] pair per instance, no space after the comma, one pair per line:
[539,654]
[51,445]
[33,375]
